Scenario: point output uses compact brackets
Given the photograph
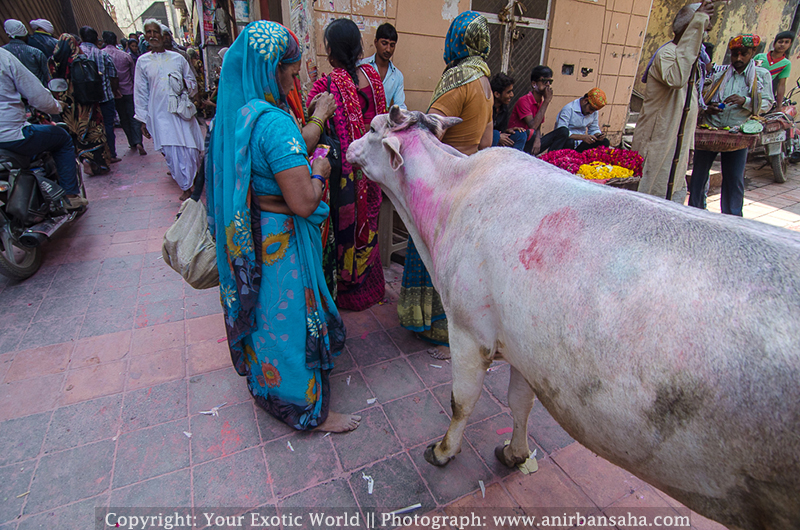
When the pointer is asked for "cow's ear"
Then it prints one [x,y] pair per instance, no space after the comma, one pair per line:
[393,145]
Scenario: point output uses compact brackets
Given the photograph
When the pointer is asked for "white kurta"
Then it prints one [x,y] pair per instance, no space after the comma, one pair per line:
[656,131]
[151,93]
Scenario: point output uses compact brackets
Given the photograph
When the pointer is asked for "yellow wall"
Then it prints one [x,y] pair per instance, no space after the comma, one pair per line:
[605,36]
[765,18]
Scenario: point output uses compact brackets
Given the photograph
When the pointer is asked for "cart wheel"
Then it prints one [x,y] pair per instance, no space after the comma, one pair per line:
[779,165]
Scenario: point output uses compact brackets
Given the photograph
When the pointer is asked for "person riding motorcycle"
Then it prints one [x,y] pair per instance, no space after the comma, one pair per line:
[23,138]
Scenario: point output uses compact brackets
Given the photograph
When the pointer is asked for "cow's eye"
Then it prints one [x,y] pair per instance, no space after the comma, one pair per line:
[372,129]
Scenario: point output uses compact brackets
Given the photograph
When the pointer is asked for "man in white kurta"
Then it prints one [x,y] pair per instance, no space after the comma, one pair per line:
[179,140]
[667,79]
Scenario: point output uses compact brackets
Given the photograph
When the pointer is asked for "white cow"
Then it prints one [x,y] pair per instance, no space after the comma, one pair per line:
[663,338]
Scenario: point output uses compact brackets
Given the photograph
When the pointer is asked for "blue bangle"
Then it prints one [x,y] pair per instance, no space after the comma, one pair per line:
[319,178]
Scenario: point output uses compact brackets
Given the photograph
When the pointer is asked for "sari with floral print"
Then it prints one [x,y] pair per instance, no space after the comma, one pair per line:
[282,326]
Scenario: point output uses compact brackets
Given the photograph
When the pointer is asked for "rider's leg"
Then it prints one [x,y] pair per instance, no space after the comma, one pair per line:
[40,138]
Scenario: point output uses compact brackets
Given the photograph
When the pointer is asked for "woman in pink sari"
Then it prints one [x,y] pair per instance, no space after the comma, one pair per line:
[355,200]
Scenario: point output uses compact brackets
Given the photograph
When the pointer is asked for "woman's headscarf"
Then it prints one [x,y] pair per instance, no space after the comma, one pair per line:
[248,88]
[67,48]
[466,47]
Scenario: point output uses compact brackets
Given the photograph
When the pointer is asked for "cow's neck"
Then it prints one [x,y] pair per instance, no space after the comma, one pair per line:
[432,174]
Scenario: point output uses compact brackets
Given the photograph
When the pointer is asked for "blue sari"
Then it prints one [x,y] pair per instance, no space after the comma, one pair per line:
[282,325]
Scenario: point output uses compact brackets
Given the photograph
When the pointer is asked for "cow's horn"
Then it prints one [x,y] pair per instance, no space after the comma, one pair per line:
[438,124]
[396,116]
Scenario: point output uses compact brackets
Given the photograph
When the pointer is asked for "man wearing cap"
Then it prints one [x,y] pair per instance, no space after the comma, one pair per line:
[736,92]
[667,80]
[33,59]
[42,38]
[580,118]
[777,62]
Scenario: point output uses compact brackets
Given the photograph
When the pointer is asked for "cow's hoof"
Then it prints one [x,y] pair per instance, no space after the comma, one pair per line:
[500,454]
[430,456]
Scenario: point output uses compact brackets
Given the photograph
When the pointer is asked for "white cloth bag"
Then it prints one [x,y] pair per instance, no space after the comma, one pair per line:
[189,247]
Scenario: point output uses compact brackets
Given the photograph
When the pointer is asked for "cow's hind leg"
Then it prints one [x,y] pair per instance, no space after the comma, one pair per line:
[520,399]
[469,361]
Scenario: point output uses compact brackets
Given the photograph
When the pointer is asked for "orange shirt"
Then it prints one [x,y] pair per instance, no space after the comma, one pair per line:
[468,102]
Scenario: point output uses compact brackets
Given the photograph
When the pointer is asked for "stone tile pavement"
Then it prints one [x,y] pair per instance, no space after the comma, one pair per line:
[107,358]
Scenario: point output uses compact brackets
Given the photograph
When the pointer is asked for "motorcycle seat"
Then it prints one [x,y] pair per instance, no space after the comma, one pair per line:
[19,161]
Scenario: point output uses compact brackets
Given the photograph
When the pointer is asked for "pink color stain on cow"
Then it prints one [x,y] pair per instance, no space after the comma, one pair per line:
[553,242]
[429,210]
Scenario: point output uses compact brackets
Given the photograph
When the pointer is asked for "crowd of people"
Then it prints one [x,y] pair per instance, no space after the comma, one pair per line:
[125,86]
[296,224]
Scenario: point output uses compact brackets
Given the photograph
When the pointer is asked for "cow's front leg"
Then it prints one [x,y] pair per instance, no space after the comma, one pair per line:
[520,399]
[469,361]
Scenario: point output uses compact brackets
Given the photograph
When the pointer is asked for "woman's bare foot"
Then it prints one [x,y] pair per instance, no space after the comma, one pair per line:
[337,422]
[441,353]
[185,195]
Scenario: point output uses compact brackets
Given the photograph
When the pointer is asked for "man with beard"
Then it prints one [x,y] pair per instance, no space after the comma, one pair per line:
[745,90]
[381,60]
[667,79]
[179,140]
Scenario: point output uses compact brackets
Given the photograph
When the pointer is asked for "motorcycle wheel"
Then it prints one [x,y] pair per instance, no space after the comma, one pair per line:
[17,262]
[779,165]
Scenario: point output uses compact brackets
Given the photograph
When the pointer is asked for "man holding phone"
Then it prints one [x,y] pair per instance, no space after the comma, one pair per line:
[581,119]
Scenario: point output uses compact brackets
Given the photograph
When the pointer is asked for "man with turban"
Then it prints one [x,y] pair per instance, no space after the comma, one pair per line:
[42,38]
[667,79]
[736,92]
[580,117]
[33,59]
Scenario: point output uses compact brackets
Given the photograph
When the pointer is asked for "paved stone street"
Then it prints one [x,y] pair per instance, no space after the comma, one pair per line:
[107,358]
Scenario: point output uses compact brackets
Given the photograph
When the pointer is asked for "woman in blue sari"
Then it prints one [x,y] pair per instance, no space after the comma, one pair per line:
[265,211]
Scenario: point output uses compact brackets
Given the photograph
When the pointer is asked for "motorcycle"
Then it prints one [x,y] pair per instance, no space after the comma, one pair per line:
[32,210]
[781,137]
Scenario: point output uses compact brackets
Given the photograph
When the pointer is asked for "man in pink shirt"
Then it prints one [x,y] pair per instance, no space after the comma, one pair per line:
[529,113]
[125,69]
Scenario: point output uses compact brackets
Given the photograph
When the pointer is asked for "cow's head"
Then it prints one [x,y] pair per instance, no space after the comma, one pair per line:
[380,152]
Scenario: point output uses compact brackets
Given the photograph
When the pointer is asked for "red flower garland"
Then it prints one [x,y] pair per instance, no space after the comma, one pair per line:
[571,160]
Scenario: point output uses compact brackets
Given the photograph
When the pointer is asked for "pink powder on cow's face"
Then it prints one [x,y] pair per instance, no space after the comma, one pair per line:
[553,242]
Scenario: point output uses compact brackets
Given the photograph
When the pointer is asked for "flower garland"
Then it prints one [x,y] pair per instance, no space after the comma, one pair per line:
[602,171]
[572,161]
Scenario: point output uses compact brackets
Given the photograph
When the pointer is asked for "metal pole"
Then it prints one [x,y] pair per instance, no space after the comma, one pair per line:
[679,143]
[508,36]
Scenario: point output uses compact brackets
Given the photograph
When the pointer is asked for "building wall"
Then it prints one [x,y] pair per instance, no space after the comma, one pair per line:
[602,41]
[129,13]
[67,16]
[764,18]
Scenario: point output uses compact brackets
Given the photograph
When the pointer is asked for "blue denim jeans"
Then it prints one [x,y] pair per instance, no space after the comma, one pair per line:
[40,138]
[109,111]
[732,199]
[518,138]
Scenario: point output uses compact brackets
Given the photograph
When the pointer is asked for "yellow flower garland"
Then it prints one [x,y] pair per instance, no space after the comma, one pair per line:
[602,171]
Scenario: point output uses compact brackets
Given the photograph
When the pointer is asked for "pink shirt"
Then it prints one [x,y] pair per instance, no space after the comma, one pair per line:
[125,67]
[525,106]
